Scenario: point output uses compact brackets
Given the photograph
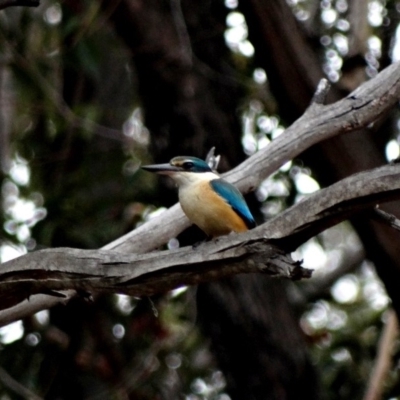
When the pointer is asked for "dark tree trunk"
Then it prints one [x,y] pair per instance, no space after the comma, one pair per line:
[258,342]
[191,99]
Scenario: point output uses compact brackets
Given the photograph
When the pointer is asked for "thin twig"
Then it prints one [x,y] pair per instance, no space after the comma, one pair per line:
[10,383]
[33,305]
[384,359]
[391,219]
[321,92]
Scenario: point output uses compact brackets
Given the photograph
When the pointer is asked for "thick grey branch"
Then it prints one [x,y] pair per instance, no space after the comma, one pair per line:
[362,107]
[305,219]
[261,249]
[138,275]
[339,201]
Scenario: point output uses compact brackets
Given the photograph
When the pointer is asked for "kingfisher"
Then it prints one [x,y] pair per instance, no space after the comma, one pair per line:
[211,203]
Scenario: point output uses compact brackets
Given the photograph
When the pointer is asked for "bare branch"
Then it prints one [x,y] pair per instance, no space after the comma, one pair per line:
[261,249]
[10,383]
[388,218]
[139,275]
[30,307]
[18,3]
[360,108]
[212,160]
[225,257]
[384,359]
[334,204]
[321,92]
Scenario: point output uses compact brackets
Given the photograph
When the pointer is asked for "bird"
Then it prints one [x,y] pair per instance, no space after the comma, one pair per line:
[213,204]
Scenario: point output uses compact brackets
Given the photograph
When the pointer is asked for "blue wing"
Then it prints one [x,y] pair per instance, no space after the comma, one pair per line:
[235,199]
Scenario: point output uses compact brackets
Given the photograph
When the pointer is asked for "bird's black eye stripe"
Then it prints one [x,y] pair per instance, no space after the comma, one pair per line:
[187,165]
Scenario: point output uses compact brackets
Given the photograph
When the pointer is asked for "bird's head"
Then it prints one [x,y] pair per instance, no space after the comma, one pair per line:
[183,169]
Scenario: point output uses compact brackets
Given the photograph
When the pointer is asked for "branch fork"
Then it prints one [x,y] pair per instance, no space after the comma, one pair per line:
[122,267]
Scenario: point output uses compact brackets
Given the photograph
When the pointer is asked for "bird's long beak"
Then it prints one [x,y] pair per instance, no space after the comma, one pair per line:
[161,168]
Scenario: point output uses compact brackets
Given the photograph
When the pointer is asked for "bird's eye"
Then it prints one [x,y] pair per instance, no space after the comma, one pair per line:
[187,165]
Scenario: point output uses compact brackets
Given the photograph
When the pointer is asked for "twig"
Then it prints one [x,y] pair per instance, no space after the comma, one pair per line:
[32,305]
[10,383]
[321,92]
[384,359]
[388,218]
[212,160]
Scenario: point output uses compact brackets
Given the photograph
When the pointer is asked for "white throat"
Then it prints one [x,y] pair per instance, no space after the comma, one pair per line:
[184,179]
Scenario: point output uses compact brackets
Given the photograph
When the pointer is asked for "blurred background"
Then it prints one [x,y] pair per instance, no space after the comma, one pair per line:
[90,90]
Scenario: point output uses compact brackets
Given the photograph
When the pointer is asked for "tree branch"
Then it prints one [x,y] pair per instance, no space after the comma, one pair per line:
[322,92]
[384,360]
[10,383]
[362,107]
[260,249]
[32,305]
[390,219]
[138,275]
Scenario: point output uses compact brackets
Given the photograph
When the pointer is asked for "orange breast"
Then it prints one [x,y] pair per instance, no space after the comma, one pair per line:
[209,211]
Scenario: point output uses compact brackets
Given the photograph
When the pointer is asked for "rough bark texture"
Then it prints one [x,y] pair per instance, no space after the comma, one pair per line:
[363,106]
[91,271]
[215,123]
[174,137]
[190,98]
[335,158]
